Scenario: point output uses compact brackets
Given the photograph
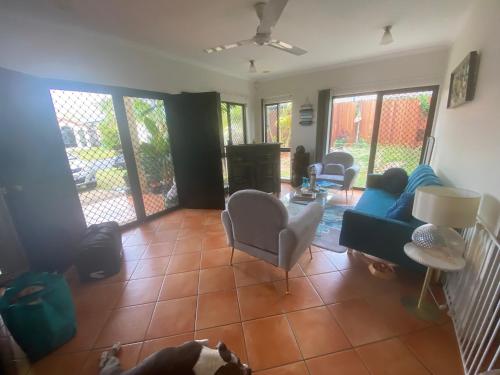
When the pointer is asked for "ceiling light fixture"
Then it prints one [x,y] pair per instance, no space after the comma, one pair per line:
[252,68]
[387,37]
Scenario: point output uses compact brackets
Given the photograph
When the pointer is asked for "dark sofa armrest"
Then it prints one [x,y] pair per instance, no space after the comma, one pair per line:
[350,176]
[374,180]
[378,236]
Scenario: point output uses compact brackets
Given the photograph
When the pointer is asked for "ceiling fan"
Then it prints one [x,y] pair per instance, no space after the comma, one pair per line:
[269,14]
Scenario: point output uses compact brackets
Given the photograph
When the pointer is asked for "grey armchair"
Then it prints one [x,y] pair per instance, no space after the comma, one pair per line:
[338,167]
[258,224]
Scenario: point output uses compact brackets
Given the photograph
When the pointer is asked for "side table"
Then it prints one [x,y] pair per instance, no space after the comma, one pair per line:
[435,259]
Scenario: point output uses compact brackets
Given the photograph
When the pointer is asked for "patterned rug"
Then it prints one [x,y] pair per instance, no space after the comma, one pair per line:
[327,235]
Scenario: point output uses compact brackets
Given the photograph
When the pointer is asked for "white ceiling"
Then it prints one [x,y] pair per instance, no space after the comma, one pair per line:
[333,31]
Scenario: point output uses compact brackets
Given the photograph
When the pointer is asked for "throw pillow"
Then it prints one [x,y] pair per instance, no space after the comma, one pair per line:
[402,208]
[334,169]
[394,180]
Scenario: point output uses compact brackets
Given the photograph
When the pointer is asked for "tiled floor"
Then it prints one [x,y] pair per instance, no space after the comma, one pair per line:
[177,284]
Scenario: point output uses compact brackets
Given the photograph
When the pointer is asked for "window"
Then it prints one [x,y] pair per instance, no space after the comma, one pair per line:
[234,124]
[278,129]
[383,130]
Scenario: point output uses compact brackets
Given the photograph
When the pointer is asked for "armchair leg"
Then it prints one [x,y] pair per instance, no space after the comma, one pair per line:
[346,200]
[232,253]
[310,252]
[286,280]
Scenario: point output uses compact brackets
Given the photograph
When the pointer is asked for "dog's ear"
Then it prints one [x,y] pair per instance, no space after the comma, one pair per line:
[224,351]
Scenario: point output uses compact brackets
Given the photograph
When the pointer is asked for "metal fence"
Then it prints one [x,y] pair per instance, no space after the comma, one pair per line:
[473,298]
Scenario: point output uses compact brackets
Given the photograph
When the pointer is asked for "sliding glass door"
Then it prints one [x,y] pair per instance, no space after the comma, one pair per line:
[118,150]
[384,129]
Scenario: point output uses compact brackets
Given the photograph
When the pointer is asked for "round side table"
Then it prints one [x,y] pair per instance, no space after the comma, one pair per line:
[435,259]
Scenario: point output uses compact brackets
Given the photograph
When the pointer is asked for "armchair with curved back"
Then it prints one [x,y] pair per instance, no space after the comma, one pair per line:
[338,167]
[258,224]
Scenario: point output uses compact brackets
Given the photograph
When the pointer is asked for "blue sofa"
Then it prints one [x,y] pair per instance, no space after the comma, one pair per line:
[366,227]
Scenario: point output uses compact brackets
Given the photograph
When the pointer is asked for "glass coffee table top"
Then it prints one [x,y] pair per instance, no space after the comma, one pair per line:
[323,197]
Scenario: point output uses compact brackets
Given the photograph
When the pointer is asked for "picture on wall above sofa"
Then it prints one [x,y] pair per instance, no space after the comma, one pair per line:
[463,81]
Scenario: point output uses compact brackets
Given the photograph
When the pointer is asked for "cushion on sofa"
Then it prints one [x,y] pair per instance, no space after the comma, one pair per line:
[394,180]
[334,169]
[402,208]
[423,175]
[375,202]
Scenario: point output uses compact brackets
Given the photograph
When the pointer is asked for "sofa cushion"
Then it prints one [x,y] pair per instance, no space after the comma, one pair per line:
[332,168]
[375,202]
[402,208]
[330,177]
[394,180]
[423,175]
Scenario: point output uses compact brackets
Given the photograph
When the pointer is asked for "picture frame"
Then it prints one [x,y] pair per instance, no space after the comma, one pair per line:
[463,81]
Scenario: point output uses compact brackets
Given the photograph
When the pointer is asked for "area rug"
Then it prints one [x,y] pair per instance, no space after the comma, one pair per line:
[327,234]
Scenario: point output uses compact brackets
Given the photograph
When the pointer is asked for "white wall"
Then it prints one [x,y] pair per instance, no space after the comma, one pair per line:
[51,51]
[467,150]
[424,68]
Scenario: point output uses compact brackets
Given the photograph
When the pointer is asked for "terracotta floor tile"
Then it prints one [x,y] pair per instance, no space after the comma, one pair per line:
[436,348]
[216,258]
[216,309]
[317,332]
[168,235]
[214,241]
[174,224]
[250,273]
[191,232]
[126,271]
[333,287]
[159,249]
[150,267]
[212,219]
[133,252]
[302,294]
[297,368]
[152,346]
[187,245]
[126,325]
[214,228]
[360,322]
[346,260]
[140,291]
[270,343]
[317,264]
[242,257]
[193,222]
[216,279]
[137,238]
[367,284]
[59,364]
[258,301]
[390,357]
[231,335]
[343,363]
[172,317]
[184,263]
[395,316]
[128,355]
[89,326]
[97,297]
[179,285]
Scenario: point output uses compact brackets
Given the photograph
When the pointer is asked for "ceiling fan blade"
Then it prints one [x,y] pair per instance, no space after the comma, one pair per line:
[286,47]
[270,15]
[224,47]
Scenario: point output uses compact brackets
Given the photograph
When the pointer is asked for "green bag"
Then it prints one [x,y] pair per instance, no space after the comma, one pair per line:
[38,310]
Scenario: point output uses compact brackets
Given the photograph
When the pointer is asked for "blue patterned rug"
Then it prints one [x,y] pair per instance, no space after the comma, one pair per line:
[327,235]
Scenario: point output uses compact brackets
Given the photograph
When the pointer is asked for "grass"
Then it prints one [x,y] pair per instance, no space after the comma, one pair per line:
[93,153]
[110,178]
[387,156]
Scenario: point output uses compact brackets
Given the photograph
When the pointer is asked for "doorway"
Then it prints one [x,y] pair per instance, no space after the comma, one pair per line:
[118,149]
[383,130]
[278,129]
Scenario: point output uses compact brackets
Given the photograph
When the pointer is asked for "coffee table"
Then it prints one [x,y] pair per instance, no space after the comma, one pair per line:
[327,234]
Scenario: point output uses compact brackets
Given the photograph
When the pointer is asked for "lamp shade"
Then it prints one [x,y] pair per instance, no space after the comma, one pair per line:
[446,206]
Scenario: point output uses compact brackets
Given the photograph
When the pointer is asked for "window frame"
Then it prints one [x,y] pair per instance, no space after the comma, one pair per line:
[229,124]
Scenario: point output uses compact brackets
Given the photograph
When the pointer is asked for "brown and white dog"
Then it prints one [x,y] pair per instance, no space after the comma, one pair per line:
[190,358]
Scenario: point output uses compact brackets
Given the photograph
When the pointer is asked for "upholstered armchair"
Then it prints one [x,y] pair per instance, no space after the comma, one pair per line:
[337,167]
[258,224]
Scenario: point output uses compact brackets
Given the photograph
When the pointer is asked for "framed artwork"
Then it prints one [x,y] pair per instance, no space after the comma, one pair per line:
[463,81]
